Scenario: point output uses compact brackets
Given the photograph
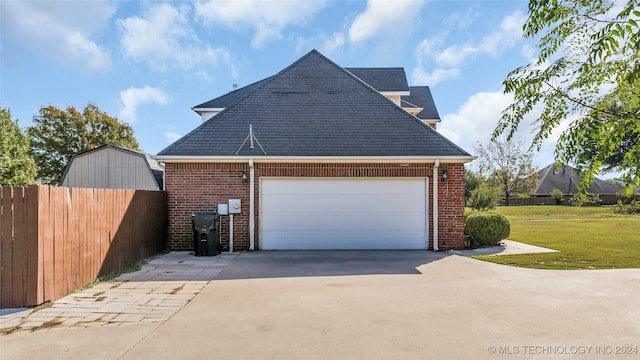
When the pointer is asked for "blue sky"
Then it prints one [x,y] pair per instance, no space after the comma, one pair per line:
[149,62]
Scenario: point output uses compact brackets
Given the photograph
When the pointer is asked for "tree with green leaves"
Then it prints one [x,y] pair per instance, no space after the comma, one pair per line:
[484,197]
[471,181]
[506,165]
[17,167]
[59,134]
[587,74]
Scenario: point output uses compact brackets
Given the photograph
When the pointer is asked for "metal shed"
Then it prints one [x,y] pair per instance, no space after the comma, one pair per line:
[113,167]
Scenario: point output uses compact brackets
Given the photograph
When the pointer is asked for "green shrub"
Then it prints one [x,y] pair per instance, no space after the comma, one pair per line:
[588,200]
[626,209]
[557,196]
[484,198]
[487,229]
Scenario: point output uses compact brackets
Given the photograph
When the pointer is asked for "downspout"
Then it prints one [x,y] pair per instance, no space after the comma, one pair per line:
[435,205]
[251,206]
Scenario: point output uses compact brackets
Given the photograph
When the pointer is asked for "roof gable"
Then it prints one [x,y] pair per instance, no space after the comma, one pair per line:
[314,108]
[421,97]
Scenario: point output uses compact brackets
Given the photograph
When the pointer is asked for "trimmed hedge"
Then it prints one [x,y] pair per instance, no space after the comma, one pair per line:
[488,228]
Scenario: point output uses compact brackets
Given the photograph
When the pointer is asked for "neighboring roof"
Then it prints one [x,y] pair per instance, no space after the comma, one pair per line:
[421,98]
[565,179]
[382,79]
[230,98]
[156,169]
[314,108]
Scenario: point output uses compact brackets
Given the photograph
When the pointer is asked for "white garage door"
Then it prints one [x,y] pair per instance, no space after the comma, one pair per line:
[339,213]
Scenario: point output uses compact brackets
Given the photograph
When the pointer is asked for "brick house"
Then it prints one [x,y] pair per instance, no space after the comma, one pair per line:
[321,157]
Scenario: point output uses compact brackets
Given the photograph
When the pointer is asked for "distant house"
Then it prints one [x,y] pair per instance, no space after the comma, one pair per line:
[566,179]
[113,167]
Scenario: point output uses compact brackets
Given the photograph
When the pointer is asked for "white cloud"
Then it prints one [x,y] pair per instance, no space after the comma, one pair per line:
[383,15]
[333,43]
[328,44]
[476,119]
[59,30]
[529,52]
[419,76]
[267,18]
[492,44]
[132,97]
[449,60]
[171,136]
[463,19]
[163,38]
[454,55]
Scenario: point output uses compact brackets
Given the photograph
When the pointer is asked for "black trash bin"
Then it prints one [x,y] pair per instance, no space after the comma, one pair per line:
[206,233]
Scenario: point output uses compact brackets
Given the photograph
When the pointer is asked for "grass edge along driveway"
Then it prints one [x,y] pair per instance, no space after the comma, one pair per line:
[586,238]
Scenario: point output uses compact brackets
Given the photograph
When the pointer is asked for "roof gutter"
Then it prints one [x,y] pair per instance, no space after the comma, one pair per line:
[435,205]
[315,159]
[252,205]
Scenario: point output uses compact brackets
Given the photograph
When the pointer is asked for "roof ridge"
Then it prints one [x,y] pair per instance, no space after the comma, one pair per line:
[543,175]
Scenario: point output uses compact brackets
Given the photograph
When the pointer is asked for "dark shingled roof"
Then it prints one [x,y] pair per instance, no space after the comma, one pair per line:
[565,179]
[232,97]
[421,97]
[382,79]
[314,108]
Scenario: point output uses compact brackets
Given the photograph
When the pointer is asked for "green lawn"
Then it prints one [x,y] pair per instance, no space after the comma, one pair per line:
[587,238]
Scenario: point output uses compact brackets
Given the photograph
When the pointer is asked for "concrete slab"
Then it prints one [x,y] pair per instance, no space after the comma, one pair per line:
[378,305]
[505,247]
[97,342]
[412,305]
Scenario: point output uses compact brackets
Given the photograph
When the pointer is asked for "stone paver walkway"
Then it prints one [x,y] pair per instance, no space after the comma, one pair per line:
[160,289]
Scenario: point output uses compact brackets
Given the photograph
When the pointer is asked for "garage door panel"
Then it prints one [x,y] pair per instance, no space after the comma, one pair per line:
[342,241]
[350,186]
[343,213]
[344,205]
[331,204]
[383,223]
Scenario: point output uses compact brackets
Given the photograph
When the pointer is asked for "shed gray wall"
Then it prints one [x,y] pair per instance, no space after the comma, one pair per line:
[110,168]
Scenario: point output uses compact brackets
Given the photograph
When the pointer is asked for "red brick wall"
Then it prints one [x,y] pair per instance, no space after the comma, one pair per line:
[201,186]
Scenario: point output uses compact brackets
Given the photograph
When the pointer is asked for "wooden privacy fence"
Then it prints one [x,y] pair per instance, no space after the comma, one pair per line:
[54,240]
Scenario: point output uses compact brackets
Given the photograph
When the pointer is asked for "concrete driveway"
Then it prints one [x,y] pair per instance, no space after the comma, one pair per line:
[374,305]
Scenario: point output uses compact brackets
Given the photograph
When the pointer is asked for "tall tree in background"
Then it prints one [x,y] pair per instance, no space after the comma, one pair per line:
[506,165]
[59,134]
[17,167]
[471,182]
[587,72]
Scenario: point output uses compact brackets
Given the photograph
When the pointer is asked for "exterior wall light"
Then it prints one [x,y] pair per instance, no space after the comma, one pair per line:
[445,174]
[244,177]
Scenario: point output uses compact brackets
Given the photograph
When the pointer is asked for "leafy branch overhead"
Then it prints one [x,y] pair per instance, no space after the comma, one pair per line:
[59,134]
[587,77]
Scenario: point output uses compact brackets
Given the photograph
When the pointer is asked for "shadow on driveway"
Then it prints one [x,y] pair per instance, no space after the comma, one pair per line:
[278,264]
